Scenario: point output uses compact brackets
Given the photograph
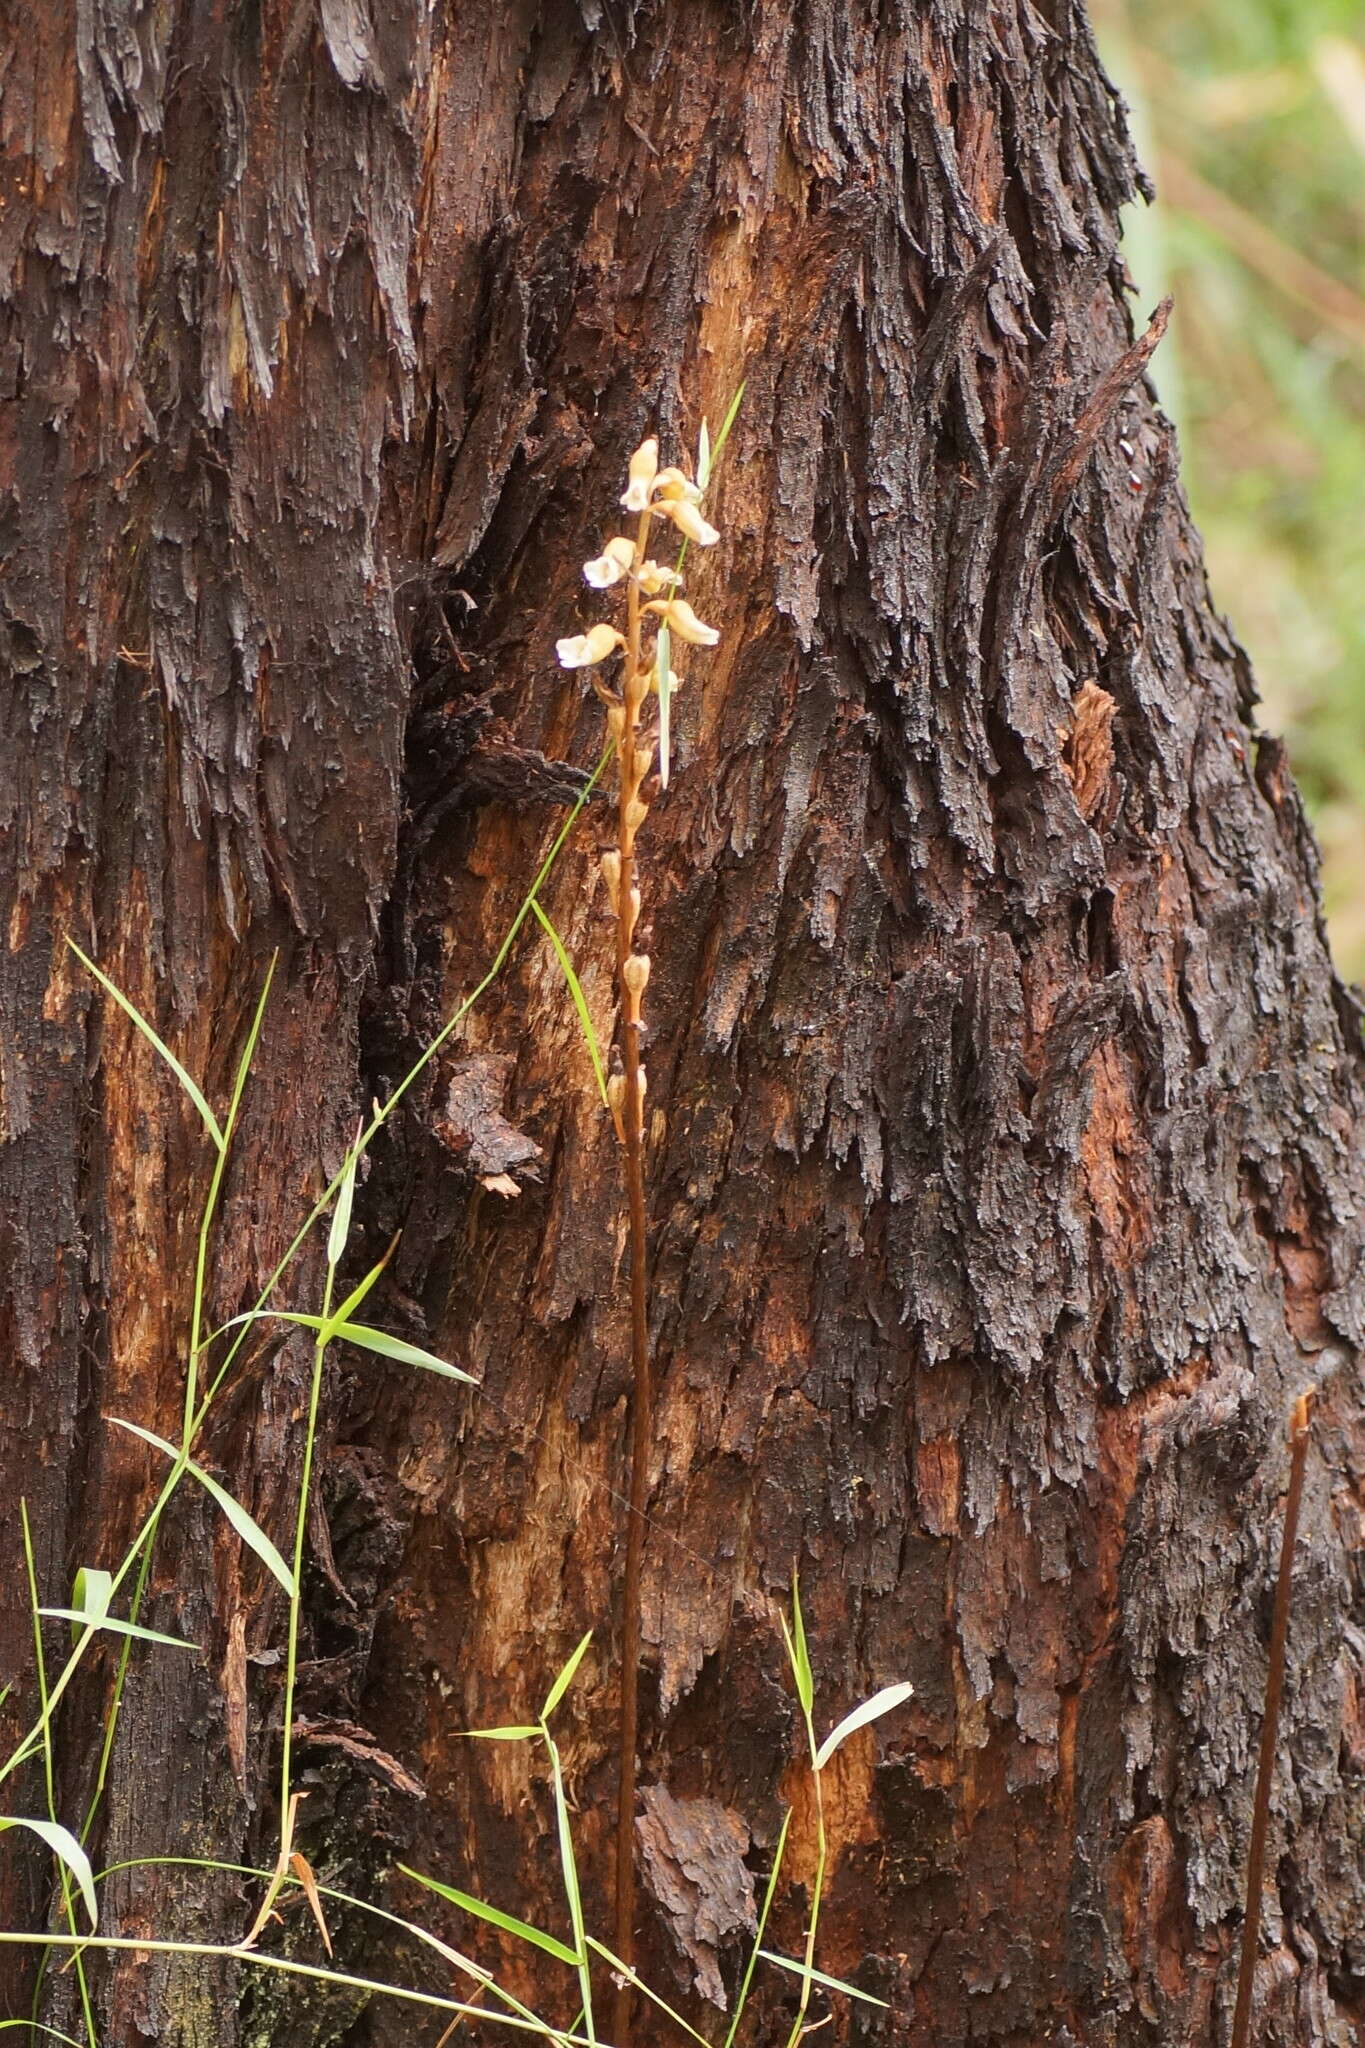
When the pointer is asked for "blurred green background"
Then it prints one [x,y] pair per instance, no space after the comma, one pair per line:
[1250,116]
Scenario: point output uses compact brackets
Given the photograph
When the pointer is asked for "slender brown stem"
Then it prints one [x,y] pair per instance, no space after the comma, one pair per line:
[634,691]
[1274,1688]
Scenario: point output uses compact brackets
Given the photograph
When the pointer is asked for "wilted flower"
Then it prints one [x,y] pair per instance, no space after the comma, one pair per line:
[688,520]
[612,564]
[644,467]
[678,615]
[581,650]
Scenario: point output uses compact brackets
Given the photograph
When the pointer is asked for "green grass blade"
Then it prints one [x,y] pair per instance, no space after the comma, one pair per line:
[250,1531]
[80,1619]
[341,1215]
[67,1849]
[508,1734]
[249,1049]
[731,414]
[535,1937]
[91,1593]
[37,2027]
[580,1001]
[769,1895]
[411,1928]
[190,1086]
[361,1334]
[337,1316]
[813,1976]
[568,1864]
[565,1678]
[633,1977]
[805,1677]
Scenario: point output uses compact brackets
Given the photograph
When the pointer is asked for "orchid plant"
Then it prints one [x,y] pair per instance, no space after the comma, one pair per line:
[657,617]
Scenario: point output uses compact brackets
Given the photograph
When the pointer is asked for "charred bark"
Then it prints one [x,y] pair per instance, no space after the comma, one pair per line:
[1004,1145]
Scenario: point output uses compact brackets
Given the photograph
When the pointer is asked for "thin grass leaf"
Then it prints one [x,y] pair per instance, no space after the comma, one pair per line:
[250,1531]
[398,1348]
[509,1734]
[731,413]
[80,1619]
[797,1654]
[341,1216]
[813,1976]
[411,1928]
[361,1334]
[337,1316]
[633,1977]
[569,1870]
[91,1593]
[190,1086]
[580,1001]
[231,1952]
[756,1951]
[535,1937]
[871,1710]
[663,654]
[67,1849]
[38,2028]
[565,1678]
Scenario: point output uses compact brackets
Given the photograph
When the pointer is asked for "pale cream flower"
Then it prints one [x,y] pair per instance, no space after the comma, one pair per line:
[615,560]
[688,520]
[671,484]
[678,615]
[652,577]
[581,650]
[644,467]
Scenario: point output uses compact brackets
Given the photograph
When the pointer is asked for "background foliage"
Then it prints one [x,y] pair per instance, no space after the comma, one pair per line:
[1251,119]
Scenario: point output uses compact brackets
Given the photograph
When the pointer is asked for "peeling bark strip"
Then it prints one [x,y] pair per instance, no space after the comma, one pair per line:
[1004,1118]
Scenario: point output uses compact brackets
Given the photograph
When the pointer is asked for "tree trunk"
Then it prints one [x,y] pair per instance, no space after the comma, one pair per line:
[1003,1148]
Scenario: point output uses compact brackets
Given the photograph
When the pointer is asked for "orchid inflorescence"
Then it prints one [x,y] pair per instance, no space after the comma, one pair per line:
[652,597]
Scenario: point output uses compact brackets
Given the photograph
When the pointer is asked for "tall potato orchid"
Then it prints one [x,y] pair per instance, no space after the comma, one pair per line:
[655,617]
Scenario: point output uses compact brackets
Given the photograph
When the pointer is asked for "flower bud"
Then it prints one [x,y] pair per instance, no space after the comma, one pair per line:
[616,720]
[616,1102]
[611,874]
[635,972]
[644,760]
[581,650]
[644,467]
[678,615]
[636,813]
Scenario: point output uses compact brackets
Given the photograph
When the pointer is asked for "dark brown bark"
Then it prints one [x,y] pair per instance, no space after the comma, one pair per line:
[1003,1112]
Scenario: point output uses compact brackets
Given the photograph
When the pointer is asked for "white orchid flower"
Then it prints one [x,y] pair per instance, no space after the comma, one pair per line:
[583,650]
[614,562]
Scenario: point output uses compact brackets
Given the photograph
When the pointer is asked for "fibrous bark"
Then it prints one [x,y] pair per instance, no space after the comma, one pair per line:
[1004,1113]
